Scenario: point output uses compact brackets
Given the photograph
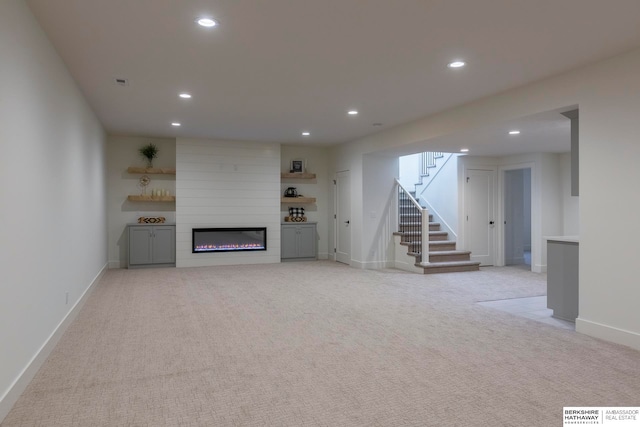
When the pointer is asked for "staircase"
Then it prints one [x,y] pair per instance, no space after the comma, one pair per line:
[443,256]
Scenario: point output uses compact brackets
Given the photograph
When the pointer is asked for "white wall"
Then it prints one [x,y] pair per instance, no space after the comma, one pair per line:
[317,161]
[606,93]
[570,204]
[379,201]
[441,195]
[409,170]
[227,184]
[53,238]
[527,209]
[122,152]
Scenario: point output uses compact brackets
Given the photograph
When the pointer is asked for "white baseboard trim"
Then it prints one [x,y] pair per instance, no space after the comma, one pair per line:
[116,264]
[372,265]
[20,384]
[608,333]
[323,255]
[539,268]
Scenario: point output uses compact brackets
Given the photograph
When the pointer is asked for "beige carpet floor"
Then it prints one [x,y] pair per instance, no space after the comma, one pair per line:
[318,344]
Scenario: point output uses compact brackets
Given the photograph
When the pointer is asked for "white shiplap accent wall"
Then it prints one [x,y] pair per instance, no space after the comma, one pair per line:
[226,184]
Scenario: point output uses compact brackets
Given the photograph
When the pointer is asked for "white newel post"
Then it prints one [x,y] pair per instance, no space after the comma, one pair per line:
[425,237]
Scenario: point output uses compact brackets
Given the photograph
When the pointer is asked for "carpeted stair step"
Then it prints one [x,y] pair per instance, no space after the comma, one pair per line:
[413,216]
[438,236]
[450,267]
[443,256]
[434,246]
[416,235]
[433,226]
[442,245]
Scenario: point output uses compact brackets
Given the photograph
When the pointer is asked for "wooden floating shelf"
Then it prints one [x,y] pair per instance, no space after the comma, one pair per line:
[297,175]
[152,199]
[151,171]
[297,199]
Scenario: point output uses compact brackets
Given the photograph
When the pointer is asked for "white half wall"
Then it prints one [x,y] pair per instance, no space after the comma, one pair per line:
[226,184]
[53,239]
[122,152]
[379,212]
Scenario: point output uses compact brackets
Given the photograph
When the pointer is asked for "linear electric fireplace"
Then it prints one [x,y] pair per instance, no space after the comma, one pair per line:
[228,239]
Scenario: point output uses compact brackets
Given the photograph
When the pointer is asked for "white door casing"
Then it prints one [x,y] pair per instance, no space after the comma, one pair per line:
[343,217]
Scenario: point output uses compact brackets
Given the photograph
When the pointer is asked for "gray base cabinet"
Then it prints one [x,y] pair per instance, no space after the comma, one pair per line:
[562,279]
[298,241]
[152,245]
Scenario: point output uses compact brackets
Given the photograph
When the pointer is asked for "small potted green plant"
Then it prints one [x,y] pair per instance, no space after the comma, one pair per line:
[149,152]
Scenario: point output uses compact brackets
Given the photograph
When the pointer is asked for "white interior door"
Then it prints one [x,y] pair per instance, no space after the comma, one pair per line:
[480,215]
[343,217]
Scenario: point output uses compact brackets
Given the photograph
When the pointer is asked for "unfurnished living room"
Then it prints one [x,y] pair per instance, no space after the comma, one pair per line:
[207,221]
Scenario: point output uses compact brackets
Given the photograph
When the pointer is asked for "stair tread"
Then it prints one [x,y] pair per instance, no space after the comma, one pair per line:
[431,242]
[449,264]
[418,233]
[453,252]
[443,253]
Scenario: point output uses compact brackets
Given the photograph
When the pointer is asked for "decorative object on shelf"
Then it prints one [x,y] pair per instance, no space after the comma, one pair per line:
[296,215]
[295,219]
[144,181]
[297,166]
[159,192]
[296,212]
[151,220]
[291,192]
[149,152]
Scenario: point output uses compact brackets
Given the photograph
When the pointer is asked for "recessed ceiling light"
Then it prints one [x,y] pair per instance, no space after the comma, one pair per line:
[352,112]
[176,124]
[306,133]
[514,132]
[206,22]
[185,95]
[456,64]
[464,150]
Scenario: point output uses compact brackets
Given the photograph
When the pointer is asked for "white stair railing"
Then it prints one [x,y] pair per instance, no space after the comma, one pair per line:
[428,161]
[413,220]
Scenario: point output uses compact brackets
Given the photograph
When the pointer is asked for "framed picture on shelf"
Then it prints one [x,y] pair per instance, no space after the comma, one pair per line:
[297,166]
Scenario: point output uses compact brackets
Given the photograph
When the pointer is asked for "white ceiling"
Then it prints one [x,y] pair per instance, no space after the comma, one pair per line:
[274,68]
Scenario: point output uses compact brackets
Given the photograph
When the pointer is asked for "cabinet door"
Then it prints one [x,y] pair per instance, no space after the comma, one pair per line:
[307,241]
[164,246]
[288,242]
[140,245]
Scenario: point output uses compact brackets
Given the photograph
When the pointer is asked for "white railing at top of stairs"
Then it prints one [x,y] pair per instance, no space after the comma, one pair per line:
[422,225]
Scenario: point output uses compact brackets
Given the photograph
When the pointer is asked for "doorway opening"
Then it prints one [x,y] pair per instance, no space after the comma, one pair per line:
[517,217]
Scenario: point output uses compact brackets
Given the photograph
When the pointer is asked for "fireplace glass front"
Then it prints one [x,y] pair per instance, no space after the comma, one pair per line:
[229,239]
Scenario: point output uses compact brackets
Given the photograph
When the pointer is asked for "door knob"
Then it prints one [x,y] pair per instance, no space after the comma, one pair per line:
[347,222]
[491,223]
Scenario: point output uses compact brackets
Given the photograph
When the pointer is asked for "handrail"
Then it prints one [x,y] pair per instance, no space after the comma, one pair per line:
[410,228]
[413,200]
